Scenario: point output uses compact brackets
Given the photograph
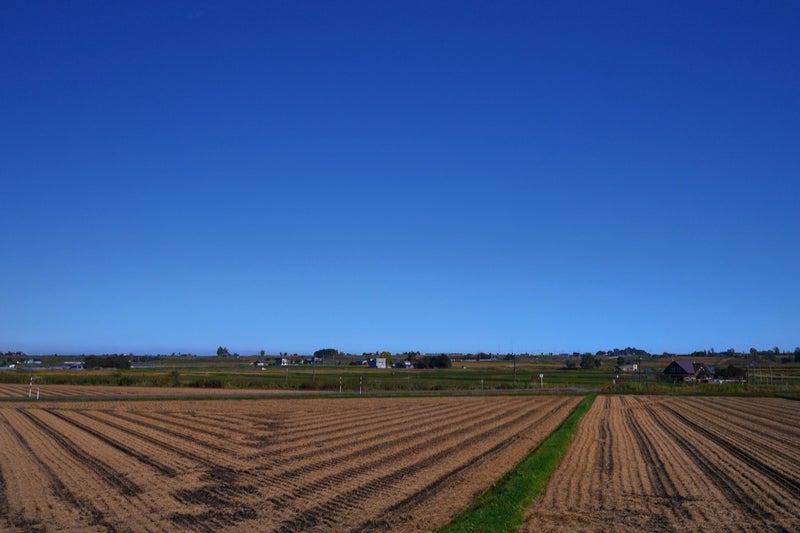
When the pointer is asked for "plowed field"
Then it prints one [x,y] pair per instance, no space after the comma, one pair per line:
[678,464]
[259,464]
[17,391]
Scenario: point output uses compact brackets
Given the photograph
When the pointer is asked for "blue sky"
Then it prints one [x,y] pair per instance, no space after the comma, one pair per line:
[434,176]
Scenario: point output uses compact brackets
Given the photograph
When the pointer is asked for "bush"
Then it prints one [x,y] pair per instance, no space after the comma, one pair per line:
[123,380]
[174,379]
[206,383]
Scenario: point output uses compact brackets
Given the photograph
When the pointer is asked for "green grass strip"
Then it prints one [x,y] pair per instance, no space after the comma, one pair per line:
[503,506]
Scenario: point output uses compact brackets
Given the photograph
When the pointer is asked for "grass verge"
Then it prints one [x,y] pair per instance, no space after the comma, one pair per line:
[503,506]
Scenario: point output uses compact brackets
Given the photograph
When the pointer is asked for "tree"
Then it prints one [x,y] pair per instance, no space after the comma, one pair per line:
[410,356]
[326,352]
[222,352]
[731,372]
[262,353]
[589,361]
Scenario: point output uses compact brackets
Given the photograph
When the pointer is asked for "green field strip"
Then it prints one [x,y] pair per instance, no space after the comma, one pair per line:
[503,506]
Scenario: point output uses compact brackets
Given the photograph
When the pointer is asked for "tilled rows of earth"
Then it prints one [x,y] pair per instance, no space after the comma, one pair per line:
[360,464]
[17,391]
[678,464]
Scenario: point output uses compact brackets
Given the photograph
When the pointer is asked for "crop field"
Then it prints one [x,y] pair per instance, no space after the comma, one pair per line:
[678,464]
[398,464]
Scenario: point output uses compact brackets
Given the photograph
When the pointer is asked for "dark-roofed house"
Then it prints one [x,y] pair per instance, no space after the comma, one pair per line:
[686,372]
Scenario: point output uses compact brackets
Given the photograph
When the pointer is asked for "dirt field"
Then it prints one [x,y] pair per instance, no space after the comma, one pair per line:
[678,464]
[363,464]
[12,391]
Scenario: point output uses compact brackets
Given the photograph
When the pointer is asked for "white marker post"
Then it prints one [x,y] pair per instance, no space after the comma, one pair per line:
[541,381]
[340,384]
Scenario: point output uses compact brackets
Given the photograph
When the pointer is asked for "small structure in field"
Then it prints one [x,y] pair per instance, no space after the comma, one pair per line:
[687,372]
[627,368]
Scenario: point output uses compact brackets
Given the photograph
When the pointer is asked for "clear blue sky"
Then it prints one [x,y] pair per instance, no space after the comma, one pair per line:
[434,176]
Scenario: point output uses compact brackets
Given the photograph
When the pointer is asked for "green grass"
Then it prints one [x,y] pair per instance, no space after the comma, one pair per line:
[467,376]
[503,506]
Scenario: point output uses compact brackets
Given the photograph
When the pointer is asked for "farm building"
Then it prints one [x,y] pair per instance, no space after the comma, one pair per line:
[686,372]
[372,362]
[631,367]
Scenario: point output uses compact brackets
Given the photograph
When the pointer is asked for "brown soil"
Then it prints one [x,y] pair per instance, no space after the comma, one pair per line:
[17,391]
[259,464]
[678,464]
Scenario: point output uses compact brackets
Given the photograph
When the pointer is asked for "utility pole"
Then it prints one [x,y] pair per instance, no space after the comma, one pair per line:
[514,357]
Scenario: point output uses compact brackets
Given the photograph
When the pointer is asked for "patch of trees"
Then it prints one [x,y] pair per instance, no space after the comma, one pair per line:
[326,352]
[433,361]
[624,352]
[222,351]
[774,351]
[731,372]
[107,361]
[590,361]
[409,356]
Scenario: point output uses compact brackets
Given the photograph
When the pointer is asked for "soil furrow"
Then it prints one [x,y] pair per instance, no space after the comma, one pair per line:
[178,450]
[789,484]
[60,490]
[114,479]
[721,479]
[447,479]
[164,469]
[344,500]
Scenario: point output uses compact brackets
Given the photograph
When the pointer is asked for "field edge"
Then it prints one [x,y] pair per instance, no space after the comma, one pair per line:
[503,506]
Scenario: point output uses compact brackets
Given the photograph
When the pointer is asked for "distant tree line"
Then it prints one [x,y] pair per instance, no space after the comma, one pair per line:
[107,361]
[433,361]
[624,352]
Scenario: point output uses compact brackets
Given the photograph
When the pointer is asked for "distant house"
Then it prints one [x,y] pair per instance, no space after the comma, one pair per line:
[632,367]
[377,362]
[687,372]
